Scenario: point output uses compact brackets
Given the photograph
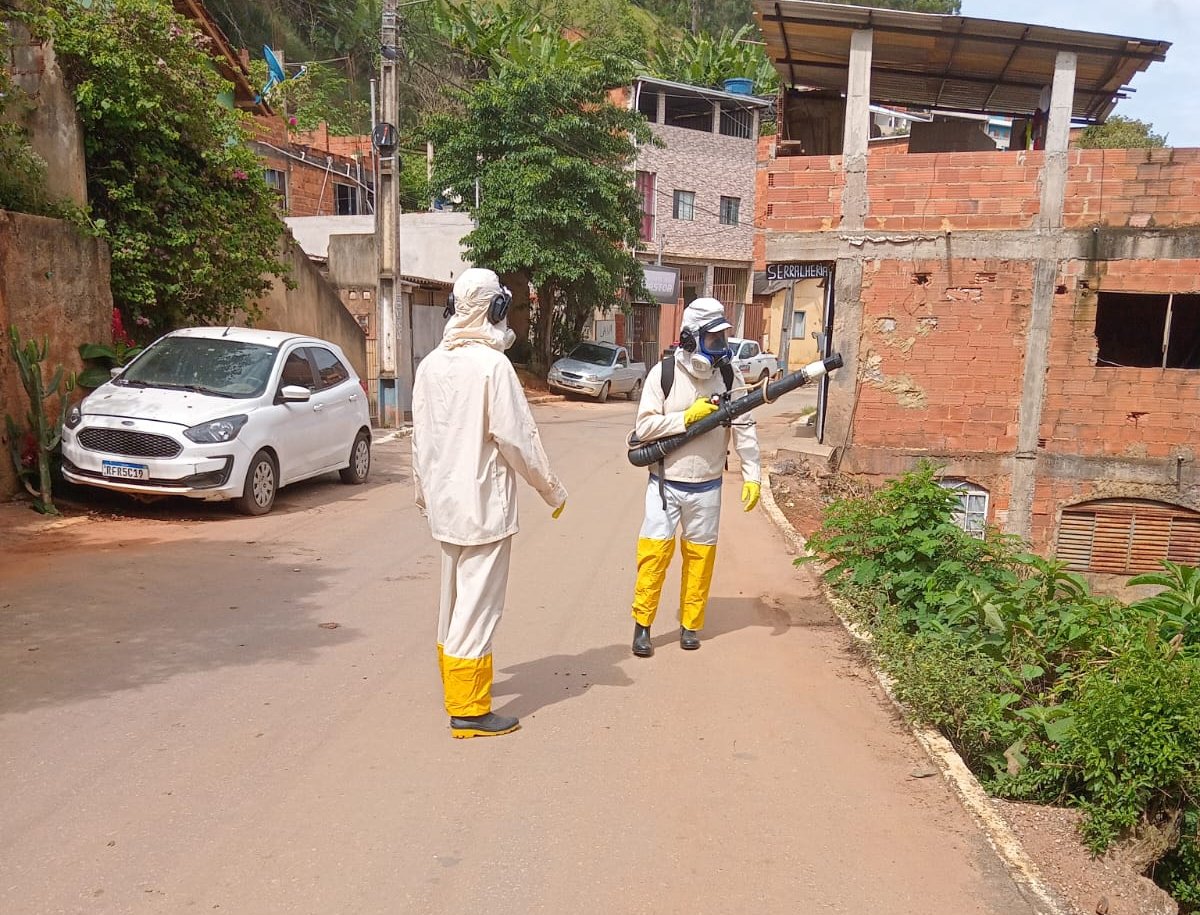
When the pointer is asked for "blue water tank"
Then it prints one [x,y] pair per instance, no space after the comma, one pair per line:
[739,86]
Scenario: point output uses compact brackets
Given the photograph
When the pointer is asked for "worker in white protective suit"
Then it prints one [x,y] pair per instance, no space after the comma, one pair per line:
[473,435]
[684,491]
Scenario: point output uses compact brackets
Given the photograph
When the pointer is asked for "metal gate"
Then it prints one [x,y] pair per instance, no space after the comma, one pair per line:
[642,334]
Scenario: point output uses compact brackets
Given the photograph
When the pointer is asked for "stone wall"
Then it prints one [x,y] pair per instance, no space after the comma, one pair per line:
[54,282]
[54,130]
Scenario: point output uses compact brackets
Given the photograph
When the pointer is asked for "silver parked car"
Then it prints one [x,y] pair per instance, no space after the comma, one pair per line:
[597,370]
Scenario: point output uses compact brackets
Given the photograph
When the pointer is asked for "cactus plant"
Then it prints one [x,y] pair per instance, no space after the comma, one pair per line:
[38,441]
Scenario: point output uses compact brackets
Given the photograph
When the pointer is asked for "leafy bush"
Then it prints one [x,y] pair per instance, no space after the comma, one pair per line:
[173,188]
[1049,692]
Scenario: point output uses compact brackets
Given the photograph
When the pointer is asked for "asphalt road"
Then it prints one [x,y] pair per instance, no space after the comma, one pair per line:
[179,733]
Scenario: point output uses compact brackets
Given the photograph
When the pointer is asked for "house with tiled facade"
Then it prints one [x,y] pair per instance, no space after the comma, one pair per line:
[1028,318]
[697,189]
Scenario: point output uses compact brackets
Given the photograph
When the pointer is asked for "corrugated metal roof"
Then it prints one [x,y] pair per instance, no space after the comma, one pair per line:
[749,101]
[954,62]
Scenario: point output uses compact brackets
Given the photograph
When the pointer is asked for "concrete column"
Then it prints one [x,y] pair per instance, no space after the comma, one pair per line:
[1058,137]
[1045,277]
[716,118]
[857,131]
[661,115]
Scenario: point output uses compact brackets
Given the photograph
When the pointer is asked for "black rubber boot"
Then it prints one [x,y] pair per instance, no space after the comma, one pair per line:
[489,725]
[689,639]
[641,641]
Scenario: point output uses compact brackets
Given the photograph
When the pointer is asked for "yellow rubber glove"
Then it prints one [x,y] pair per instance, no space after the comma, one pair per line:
[750,494]
[558,511]
[697,411]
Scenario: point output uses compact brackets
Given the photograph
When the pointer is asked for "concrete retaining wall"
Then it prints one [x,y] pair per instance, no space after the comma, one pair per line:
[54,282]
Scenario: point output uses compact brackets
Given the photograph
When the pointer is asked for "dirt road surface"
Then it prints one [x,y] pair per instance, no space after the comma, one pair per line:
[179,733]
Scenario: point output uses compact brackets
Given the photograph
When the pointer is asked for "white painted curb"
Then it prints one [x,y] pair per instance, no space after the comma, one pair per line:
[999,834]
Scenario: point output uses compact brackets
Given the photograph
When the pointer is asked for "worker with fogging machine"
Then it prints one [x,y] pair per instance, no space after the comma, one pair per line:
[675,435]
[684,490]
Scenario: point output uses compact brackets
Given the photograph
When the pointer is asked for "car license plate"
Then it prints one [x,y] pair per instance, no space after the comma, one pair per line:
[123,471]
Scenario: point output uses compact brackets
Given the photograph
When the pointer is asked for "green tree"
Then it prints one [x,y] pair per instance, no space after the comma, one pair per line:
[707,60]
[1122,133]
[322,95]
[551,157]
[181,200]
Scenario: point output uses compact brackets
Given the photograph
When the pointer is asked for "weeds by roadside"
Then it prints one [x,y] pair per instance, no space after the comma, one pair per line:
[1050,693]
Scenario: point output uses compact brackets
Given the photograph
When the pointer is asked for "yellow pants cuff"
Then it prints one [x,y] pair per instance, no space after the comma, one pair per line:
[467,684]
[653,560]
[699,559]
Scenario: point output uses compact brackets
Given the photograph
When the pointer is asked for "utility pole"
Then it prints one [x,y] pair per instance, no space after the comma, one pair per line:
[695,17]
[387,224]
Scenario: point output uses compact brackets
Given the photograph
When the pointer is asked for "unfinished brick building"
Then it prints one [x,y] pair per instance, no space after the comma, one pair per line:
[1028,318]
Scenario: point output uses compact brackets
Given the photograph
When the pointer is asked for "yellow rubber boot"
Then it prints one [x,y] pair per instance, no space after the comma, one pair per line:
[653,559]
[467,683]
[696,580]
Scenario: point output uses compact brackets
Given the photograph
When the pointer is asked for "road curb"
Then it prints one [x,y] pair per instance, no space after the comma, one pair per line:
[544,398]
[1021,868]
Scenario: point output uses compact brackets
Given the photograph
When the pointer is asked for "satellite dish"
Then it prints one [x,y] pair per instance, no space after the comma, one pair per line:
[275,73]
[274,67]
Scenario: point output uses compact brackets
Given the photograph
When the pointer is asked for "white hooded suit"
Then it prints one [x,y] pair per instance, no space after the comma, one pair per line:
[473,435]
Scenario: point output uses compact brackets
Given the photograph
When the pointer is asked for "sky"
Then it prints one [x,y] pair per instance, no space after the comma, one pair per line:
[1168,93]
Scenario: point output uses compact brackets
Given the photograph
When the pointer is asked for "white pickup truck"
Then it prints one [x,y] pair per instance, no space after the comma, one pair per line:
[752,362]
[597,370]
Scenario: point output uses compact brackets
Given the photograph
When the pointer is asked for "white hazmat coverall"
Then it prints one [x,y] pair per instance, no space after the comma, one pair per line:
[473,434]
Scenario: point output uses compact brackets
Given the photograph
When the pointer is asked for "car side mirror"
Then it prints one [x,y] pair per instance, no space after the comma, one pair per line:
[294,393]
[115,371]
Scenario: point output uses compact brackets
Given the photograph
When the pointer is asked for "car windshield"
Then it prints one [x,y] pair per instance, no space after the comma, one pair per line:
[592,354]
[223,368]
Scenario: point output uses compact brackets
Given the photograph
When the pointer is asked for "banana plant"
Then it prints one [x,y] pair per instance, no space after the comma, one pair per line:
[31,448]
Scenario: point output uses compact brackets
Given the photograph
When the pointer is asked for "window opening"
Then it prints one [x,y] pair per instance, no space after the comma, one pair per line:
[1127,536]
[729,210]
[689,113]
[1136,330]
[646,184]
[799,325]
[738,122]
[345,200]
[648,103]
[972,512]
[685,205]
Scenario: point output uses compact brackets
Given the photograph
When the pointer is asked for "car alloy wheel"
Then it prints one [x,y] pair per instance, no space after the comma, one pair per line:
[258,494]
[360,461]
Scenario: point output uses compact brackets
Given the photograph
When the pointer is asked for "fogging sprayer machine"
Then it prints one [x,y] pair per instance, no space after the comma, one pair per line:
[643,454]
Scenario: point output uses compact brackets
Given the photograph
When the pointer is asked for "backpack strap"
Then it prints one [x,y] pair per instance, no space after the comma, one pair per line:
[727,376]
[668,374]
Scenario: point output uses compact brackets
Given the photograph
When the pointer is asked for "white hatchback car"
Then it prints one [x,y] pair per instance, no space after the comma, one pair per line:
[222,413]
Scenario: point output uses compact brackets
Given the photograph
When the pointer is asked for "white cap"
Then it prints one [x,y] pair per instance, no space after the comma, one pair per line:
[703,311]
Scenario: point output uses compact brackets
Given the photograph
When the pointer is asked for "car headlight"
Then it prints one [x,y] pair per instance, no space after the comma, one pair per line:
[74,416]
[217,430]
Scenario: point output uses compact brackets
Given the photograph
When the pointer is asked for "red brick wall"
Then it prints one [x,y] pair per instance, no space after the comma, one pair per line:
[924,191]
[1096,410]
[1133,187]
[799,194]
[941,354]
